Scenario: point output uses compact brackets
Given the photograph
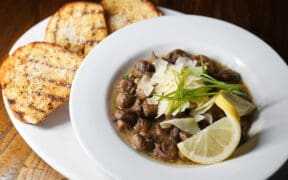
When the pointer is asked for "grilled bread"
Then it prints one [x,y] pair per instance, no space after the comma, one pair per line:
[77,26]
[37,78]
[124,12]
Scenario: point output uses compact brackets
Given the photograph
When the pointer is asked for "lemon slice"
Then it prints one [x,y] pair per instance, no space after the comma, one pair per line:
[216,142]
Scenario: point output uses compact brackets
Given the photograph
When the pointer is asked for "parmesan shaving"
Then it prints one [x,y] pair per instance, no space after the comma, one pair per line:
[163,107]
[185,124]
[202,108]
[145,85]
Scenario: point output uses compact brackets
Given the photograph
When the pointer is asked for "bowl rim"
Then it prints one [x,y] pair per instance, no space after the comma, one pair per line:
[162,22]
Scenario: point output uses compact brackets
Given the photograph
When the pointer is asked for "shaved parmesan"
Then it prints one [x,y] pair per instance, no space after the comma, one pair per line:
[199,117]
[165,83]
[152,100]
[185,124]
[182,108]
[180,63]
[209,117]
[163,107]
[202,108]
[160,68]
[145,85]
[160,65]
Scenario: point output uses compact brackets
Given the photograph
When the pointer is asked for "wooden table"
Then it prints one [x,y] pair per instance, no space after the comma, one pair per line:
[265,18]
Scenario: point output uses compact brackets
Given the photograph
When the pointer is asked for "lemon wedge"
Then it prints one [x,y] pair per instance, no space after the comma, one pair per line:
[216,142]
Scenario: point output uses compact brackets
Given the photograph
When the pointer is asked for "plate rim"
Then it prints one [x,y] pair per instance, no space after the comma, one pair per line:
[47,158]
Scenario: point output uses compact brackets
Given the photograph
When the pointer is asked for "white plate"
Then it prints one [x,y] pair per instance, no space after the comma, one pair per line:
[260,66]
[55,141]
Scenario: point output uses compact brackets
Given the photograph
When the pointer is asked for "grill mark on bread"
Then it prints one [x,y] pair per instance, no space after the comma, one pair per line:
[55,98]
[11,101]
[92,12]
[31,106]
[56,27]
[53,81]
[85,9]
[50,65]
[50,106]
[98,28]
[38,93]
[20,114]
[71,11]
[94,29]
[91,42]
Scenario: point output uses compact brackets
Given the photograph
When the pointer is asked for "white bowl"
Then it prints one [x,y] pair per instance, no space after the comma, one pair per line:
[261,68]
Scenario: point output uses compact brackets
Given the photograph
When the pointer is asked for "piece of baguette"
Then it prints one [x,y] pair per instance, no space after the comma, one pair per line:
[37,78]
[78,26]
[124,12]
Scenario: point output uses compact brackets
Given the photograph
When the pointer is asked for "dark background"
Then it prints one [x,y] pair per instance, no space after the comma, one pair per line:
[268,19]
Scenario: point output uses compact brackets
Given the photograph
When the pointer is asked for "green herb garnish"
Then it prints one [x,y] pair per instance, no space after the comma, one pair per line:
[126,77]
[211,87]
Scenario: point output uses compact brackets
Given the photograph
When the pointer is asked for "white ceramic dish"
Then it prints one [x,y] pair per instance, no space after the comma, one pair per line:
[55,141]
[261,68]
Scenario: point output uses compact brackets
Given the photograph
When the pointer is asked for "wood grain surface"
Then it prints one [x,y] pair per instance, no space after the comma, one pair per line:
[268,19]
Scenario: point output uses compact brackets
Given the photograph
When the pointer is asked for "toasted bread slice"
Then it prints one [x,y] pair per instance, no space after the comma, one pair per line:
[77,26]
[124,12]
[37,78]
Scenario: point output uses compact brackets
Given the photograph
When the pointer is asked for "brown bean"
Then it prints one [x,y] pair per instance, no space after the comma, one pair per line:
[124,100]
[166,150]
[140,94]
[141,143]
[142,126]
[142,67]
[126,86]
[126,115]
[159,131]
[201,57]
[173,55]
[216,113]
[149,110]
[229,76]
[210,65]
[203,124]
[122,125]
[174,134]
[183,135]
[137,108]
